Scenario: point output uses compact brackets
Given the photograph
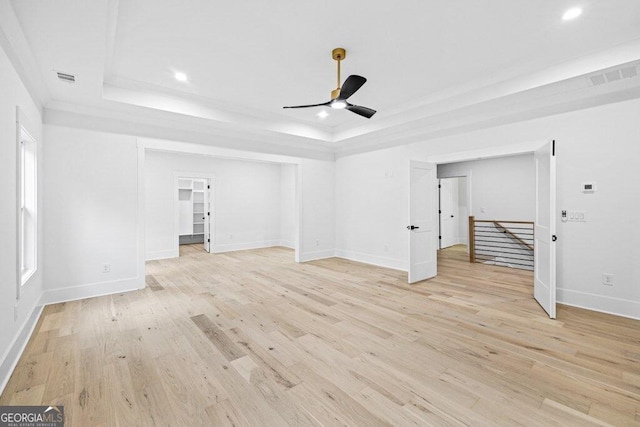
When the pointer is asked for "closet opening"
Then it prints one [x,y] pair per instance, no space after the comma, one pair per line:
[194,211]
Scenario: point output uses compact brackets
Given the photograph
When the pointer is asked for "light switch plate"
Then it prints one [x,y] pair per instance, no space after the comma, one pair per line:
[576,216]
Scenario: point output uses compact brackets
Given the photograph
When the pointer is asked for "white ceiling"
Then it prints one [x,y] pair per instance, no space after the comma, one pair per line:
[425,61]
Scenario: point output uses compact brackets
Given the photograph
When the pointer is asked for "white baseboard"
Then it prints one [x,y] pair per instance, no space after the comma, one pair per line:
[216,249]
[394,264]
[13,354]
[165,254]
[287,244]
[601,303]
[230,247]
[53,296]
[312,256]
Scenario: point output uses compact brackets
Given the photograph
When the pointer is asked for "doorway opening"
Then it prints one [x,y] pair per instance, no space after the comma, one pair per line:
[194,212]
[423,192]
[453,212]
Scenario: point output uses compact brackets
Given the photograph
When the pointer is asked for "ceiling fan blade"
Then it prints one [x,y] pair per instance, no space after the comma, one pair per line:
[363,111]
[311,105]
[351,86]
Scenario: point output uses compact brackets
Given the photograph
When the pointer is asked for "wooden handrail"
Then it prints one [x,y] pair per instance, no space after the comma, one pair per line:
[502,220]
[513,236]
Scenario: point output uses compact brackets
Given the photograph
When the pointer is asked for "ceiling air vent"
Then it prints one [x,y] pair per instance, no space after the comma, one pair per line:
[614,75]
[629,72]
[67,78]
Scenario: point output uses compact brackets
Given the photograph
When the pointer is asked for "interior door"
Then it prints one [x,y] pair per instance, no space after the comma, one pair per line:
[207,216]
[423,221]
[544,287]
[448,220]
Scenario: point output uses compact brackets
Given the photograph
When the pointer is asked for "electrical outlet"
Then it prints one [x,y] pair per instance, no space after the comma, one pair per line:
[607,279]
[106,268]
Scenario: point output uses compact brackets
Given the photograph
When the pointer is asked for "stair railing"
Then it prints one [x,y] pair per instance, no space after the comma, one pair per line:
[501,242]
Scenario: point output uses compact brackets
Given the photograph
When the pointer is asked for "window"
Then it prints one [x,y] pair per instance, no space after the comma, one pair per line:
[27,206]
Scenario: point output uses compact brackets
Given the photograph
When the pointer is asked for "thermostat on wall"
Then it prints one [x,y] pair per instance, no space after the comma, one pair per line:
[588,187]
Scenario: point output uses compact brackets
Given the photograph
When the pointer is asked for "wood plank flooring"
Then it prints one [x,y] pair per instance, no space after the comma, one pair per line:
[252,338]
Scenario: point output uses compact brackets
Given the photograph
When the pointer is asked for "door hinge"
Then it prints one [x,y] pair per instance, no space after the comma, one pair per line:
[208,213]
[553,147]
[208,240]
[554,238]
[439,212]
[208,187]
[439,186]
[440,237]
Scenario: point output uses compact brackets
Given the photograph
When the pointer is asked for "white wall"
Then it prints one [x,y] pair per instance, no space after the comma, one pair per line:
[14,332]
[317,210]
[247,201]
[287,205]
[599,144]
[501,188]
[90,199]
[372,207]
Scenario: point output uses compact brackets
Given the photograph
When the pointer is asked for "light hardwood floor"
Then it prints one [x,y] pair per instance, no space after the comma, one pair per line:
[252,338]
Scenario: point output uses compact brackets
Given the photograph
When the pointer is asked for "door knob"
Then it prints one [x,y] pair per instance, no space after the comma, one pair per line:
[451,216]
[411,227]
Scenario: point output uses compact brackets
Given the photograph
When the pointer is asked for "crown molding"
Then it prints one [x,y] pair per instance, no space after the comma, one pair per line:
[17,49]
[145,122]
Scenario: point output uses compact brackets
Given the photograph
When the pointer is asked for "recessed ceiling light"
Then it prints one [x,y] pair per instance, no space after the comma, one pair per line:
[571,14]
[181,77]
[323,114]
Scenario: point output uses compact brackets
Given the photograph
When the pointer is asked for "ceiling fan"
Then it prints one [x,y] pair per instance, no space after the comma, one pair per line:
[340,94]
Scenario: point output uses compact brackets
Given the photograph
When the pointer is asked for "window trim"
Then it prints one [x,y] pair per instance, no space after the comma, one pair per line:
[24,274]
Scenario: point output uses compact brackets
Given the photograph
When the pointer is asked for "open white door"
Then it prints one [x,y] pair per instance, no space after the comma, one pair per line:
[448,220]
[207,216]
[423,221]
[544,281]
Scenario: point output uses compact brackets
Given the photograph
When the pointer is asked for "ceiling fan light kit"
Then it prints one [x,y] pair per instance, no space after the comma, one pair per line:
[340,94]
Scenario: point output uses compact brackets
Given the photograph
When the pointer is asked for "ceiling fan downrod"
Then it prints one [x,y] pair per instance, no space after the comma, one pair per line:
[338,54]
